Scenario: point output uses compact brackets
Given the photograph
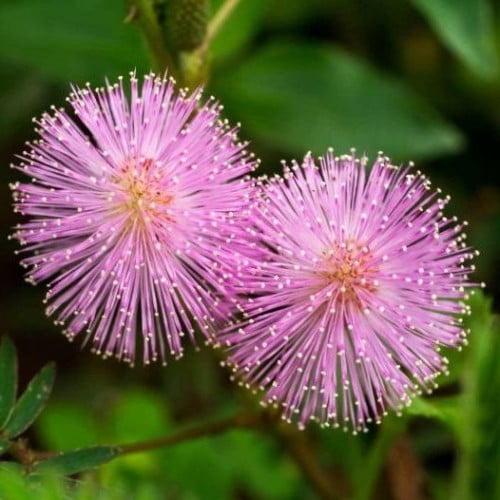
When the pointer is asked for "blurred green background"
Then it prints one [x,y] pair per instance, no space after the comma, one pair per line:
[418,79]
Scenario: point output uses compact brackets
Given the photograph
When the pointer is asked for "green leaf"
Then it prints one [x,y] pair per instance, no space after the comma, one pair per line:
[71,41]
[73,462]
[467,28]
[32,401]
[298,97]
[8,379]
[4,445]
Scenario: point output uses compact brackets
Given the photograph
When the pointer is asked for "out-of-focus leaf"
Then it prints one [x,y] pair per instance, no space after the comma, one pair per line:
[52,485]
[71,41]
[31,402]
[467,28]
[236,461]
[8,379]
[446,409]
[21,95]
[258,467]
[343,449]
[423,408]
[456,361]
[290,14]
[439,486]
[78,461]
[298,97]
[13,485]
[210,459]
[479,439]
[12,467]
[49,486]
[67,426]
[373,462]
[138,415]
[4,445]
[239,28]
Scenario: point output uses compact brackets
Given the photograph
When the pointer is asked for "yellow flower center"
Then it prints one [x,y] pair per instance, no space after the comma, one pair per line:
[143,189]
[350,268]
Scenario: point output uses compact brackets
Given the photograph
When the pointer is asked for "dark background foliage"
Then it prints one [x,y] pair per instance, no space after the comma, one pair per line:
[418,79]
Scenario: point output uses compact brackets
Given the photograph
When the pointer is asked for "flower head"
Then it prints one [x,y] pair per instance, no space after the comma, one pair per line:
[363,281]
[136,210]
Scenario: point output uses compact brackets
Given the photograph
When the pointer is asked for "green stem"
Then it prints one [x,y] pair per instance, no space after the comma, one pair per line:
[294,440]
[241,421]
[216,24]
[143,11]
[389,430]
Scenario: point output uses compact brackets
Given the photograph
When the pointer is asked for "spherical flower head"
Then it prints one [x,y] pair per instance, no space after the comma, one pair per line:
[137,209]
[364,280]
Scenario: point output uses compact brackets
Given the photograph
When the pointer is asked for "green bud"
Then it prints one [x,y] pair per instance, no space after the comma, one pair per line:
[186,23]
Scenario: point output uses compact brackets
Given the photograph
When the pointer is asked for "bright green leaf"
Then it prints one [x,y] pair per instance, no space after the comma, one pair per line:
[13,485]
[258,466]
[138,415]
[210,460]
[298,97]
[12,467]
[32,401]
[73,462]
[71,41]
[239,460]
[467,28]
[50,486]
[65,426]
[8,379]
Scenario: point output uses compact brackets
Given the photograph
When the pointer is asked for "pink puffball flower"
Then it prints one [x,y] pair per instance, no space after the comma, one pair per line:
[364,279]
[136,208]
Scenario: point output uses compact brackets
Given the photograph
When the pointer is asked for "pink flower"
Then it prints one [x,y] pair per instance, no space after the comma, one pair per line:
[363,281]
[137,208]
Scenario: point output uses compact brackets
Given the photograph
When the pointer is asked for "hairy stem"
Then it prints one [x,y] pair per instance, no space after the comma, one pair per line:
[216,24]
[294,440]
[240,421]
[143,12]
[25,455]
